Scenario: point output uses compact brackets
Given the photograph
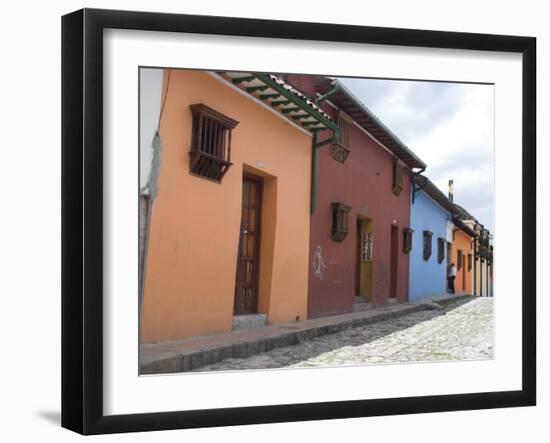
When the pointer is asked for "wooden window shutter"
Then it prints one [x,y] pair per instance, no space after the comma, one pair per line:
[407,240]
[441,242]
[340,221]
[210,153]
[341,149]
[427,253]
[397,181]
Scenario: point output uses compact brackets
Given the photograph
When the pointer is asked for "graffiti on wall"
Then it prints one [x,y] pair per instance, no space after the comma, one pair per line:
[318,264]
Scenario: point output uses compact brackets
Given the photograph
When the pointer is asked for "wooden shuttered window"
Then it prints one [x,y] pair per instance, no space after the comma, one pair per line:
[427,252]
[340,221]
[210,153]
[340,150]
[441,243]
[397,178]
[407,240]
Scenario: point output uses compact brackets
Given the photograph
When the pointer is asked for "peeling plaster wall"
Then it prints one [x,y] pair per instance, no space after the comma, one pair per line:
[150,87]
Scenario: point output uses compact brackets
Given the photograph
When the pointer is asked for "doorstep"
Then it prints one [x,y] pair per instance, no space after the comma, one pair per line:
[192,353]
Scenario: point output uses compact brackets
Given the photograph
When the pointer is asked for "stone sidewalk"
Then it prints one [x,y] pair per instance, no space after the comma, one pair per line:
[463,330]
[196,352]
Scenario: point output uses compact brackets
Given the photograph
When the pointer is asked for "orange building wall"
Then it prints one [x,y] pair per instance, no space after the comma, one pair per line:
[463,242]
[194,231]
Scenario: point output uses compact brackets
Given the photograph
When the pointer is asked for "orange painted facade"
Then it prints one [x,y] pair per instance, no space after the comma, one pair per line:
[194,230]
[462,245]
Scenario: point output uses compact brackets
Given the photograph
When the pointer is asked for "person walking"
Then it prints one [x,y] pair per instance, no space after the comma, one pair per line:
[451,275]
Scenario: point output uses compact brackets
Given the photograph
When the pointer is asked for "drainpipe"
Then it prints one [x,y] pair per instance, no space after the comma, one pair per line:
[322,98]
[314,146]
[475,261]
[414,187]
[313,194]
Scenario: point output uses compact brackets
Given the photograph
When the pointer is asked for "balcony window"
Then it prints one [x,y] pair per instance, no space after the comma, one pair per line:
[407,240]
[340,221]
[340,150]
[441,242]
[427,253]
[210,153]
[397,178]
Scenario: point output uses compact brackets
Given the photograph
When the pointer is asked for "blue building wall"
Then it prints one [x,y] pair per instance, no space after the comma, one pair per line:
[427,277]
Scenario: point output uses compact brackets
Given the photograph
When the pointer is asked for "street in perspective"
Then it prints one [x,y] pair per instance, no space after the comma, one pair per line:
[301,221]
[461,331]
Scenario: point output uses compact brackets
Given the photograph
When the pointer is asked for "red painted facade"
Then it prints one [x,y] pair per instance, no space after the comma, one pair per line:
[363,182]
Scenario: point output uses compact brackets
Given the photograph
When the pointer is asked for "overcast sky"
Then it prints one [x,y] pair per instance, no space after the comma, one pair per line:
[448,125]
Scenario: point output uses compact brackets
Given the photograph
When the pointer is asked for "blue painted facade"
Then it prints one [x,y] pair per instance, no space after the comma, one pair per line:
[427,278]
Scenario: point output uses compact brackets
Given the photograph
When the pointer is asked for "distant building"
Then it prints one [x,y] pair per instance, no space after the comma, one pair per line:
[430,242]
[360,206]
[462,255]
[482,278]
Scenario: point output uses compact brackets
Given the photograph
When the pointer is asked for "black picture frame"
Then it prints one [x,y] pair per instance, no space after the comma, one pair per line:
[82,219]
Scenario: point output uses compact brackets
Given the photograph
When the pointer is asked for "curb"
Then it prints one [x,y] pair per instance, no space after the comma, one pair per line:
[195,359]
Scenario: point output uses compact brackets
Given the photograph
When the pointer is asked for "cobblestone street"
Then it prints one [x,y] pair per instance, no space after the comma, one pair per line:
[461,331]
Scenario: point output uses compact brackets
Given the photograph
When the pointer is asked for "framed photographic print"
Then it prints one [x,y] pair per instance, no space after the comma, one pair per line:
[270,221]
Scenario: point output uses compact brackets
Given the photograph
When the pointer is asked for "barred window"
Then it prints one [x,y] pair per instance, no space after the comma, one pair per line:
[441,242]
[407,240]
[397,178]
[340,150]
[340,221]
[469,262]
[210,153]
[459,259]
[427,245]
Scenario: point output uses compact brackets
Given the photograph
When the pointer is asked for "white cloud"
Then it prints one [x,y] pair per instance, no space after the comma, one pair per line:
[449,126]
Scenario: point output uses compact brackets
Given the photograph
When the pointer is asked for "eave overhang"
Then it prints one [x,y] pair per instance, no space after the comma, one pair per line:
[283,98]
[425,185]
[464,228]
[345,100]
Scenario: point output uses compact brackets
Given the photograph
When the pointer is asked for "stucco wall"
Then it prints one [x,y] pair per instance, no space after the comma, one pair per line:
[463,242]
[427,277]
[195,223]
[363,182]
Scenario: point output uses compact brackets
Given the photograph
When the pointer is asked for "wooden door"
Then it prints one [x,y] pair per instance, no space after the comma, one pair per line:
[394,247]
[359,234]
[246,285]
[464,266]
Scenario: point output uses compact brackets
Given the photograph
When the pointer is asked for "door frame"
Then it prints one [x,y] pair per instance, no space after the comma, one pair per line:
[394,253]
[260,181]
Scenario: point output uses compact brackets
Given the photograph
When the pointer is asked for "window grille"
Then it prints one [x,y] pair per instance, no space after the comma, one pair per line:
[427,245]
[210,153]
[340,221]
[340,150]
[397,178]
[407,240]
[441,243]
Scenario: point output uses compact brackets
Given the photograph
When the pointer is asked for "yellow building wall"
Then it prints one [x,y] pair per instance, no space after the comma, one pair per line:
[464,276]
[481,279]
[365,267]
[195,223]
